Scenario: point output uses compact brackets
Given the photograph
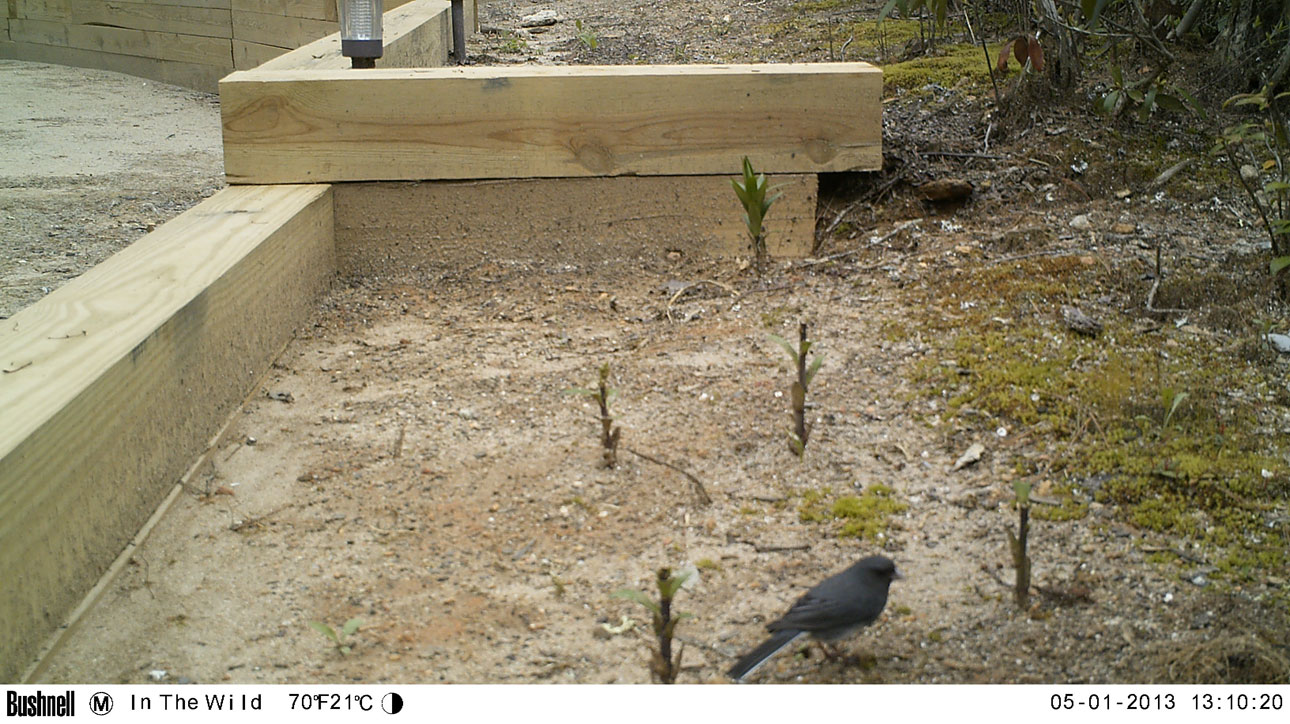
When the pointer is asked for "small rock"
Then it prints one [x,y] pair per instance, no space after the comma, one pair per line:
[972,455]
[1279,342]
[1081,223]
[539,19]
[1123,228]
[1077,321]
[945,189]
[157,674]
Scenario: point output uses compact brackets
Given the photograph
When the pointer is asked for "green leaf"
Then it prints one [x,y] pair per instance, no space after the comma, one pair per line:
[815,367]
[344,650]
[1170,103]
[1022,489]
[886,9]
[1191,101]
[784,343]
[325,630]
[351,626]
[1173,405]
[1278,264]
[632,594]
[1275,186]
[673,584]
[1117,75]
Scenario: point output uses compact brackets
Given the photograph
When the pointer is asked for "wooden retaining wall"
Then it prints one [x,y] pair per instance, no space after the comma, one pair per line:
[189,43]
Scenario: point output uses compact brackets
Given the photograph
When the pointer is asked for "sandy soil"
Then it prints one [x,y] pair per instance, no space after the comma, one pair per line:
[90,161]
[413,460]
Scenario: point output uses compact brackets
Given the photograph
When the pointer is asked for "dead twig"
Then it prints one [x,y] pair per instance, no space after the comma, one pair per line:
[699,490]
[776,549]
[731,290]
[259,519]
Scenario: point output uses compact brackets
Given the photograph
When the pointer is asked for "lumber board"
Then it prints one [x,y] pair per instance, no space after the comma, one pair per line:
[121,41]
[252,55]
[197,76]
[212,22]
[545,121]
[315,9]
[387,225]
[268,29]
[415,35]
[115,382]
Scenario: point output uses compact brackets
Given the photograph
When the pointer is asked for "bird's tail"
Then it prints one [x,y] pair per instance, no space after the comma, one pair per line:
[758,656]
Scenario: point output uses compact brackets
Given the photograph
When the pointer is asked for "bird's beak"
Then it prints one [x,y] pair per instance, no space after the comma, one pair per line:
[897,575]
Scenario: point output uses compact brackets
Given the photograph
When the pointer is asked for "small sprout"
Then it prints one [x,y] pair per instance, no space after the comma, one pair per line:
[1018,543]
[752,195]
[800,432]
[604,397]
[338,639]
[663,665]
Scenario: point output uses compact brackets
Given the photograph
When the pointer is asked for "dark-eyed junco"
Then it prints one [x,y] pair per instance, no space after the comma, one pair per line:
[838,607]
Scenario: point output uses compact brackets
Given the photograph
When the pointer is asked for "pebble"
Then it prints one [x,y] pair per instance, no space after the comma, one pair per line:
[1081,223]
[539,19]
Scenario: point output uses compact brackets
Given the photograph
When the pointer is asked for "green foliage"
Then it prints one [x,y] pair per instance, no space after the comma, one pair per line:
[338,638]
[752,195]
[663,665]
[939,10]
[1146,95]
[586,36]
[1258,152]
[865,516]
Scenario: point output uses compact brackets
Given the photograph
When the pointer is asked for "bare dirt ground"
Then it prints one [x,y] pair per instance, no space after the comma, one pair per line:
[89,162]
[413,459]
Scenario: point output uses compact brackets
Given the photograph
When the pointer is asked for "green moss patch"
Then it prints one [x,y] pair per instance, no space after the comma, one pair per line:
[1211,469]
[864,516]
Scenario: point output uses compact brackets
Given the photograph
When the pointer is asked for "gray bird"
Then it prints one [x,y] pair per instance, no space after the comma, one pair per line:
[836,608]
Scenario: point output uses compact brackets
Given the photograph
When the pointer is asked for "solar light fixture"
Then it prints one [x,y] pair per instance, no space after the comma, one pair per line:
[360,31]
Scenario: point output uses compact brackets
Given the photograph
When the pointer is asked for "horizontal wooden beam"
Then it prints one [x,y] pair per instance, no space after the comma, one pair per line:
[195,49]
[382,226]
[199,76]
[112,385]
[543,121]
[209,21]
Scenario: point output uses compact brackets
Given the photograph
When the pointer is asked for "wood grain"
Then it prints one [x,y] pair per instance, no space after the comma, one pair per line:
[531,121]
[122,41]
[269,29]
[380,226]
[114,382]
[212,22]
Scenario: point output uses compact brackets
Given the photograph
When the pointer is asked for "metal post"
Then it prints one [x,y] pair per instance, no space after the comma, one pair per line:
[459,31]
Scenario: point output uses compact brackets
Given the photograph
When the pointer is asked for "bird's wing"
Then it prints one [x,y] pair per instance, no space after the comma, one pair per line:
[813,613]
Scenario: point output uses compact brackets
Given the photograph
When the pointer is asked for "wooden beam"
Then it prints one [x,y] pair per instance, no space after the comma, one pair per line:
[316,9]
[545,121]
[268,29]
[415,35]
[198,76]
[211,22]
[121,41]
[113,383]
[252,55]
[380,226]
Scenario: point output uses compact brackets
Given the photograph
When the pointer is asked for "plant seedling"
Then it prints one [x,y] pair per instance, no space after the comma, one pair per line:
[663,665]
[586,36]
[1018,543]
[338,639]
[800,431]
[752,194]
[604,395]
